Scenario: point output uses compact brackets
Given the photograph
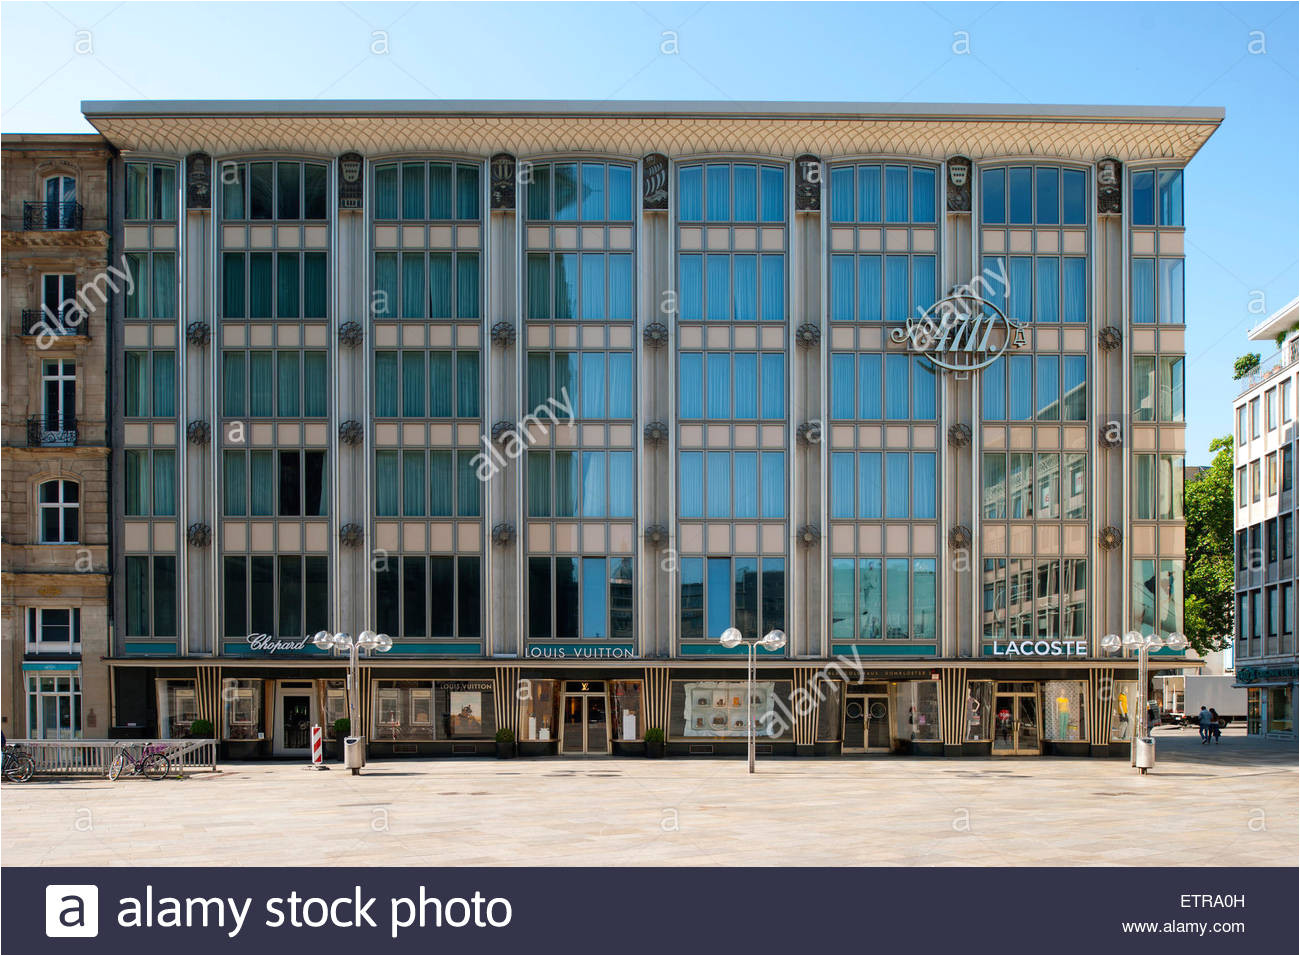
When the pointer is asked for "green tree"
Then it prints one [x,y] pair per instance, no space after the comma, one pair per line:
[1208,588]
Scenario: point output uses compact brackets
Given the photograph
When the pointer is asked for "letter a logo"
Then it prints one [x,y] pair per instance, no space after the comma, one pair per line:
[71,910]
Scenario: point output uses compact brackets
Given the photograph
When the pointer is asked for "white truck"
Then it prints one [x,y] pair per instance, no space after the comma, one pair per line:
[1216,693]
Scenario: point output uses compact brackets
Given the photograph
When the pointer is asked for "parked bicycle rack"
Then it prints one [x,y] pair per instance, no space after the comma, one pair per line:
[92,757]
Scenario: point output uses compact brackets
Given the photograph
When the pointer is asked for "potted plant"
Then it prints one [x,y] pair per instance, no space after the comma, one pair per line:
[505,743]
[342,727]
[654,742]
[201,728]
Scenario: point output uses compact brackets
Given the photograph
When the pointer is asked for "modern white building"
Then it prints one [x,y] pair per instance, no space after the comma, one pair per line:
[1266,420]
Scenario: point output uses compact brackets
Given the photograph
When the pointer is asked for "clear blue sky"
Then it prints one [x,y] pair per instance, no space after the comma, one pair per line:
[1241,189]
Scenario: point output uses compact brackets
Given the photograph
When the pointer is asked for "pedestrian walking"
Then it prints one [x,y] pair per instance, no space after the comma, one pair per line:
[1204,720]
[1215,729]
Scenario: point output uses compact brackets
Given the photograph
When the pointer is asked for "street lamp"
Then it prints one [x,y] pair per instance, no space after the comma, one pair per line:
[1151,642]
[367,641]
[773,640]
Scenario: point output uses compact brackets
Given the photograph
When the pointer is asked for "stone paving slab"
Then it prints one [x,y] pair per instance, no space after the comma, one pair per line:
[1229,804]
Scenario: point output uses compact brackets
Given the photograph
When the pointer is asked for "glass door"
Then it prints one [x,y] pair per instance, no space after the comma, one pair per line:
[855,724]
[295,704]
[877,710]
[574,732]
[1027,725]
[1015,723]
[597,728]
[585,725]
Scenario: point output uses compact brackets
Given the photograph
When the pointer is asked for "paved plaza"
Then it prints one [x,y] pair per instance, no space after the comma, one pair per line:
[1230,804]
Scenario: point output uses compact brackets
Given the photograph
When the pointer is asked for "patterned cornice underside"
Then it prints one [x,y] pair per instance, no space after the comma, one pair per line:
[1082,140]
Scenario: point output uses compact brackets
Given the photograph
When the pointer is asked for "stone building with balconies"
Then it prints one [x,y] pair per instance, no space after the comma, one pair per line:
[58,285]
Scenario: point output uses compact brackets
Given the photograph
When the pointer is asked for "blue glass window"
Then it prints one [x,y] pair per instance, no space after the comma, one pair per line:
[896,194]
[994,387]
[897,484]
[1144,197]
[841,386]
[717,192]
[1048,292]
[842,484]
[896,293]
[870,488]
[773,385]
[718,479]
[1074,289]
[690,400]
[842,204]
[1170,197]
[923,194]
[1020,387]
[897,381]
[1020,195]
[870,288]
[1144,291]
[1049,384]
[594,590]
[691,473]
[620,193]
[690,193]
[993,196]
[1074,197]
[923,486]
[869,386]
[773,194]
[744,193]
[1047,197]
[923,388]
[1171,292]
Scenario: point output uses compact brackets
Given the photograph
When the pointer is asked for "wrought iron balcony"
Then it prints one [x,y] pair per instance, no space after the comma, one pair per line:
[67,321]
[52,215]
[51,431]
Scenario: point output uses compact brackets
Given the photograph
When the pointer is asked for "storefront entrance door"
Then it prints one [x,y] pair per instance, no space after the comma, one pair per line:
[585,729]
[295,712]
[866,723]
[1015,725]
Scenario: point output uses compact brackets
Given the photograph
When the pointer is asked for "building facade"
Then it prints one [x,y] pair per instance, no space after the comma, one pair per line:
[1266,413]
[554,393]
[58,292]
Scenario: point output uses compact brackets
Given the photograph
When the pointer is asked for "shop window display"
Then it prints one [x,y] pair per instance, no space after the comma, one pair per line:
[333,704]
[179,707]
[403,710]
[625,710]
[1123,697]
[241,702]
[538,709]
[916,710]
[465,710]
[979,710]
[1064,707]
[829,707]
[716,710]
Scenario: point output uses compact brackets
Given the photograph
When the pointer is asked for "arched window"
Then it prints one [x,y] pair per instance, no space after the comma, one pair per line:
[60,511]
[61,202]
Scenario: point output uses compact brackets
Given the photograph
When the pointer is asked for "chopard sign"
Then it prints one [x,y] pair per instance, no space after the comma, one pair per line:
[269,644]
[963,332]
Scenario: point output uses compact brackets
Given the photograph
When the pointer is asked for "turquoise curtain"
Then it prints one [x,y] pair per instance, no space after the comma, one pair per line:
[412,483]
[593,191]
[773,385]
[232,195]
[718,478]
[413,385]
[539,285]
[718,286]
[923,486]
[895,194]
[620,287]
[842,484]
[869,194]
[842,194]
[137,292]
[923,388]
[385,384]
[773,280]
[842,291]
[745,479]
[441,482]
[566,484]
[773,484]
[137,482]
[1020,387]
[386,203]
[385,299]
[164,384]
[137,191]
[841,386]
[467,485]
[539,379]
[923,194]
[690,276]
[620,193]
[232,286]
[539,193]
[466,191]
[137,385]
[745,287]
[718,385]
[896,385]
[413,191]
[261,384]
[413,297]
[896,294]
[1075,281]
[259,285]
[592,392]
[286,292]
[1020,274]
[467,384]
[869,386]
[235,483]
[870,288]
[897,482]
[744,380]
[315,382]
[566,191]
[164,482]
[538,474]
[566,383]
[869,486]
[440,385]
[691,484]
[593,286]
[772,179]
[994,387]
[923,292]
[622,385]
[315,288]
[690,193]
[1049,388]
[440,286]
[288,385]
[164,285]
[440,190]
[994,277]
[744,185]
[622,484]
[1144,291]
[690,385]
[386,482]
[566,285]
[262,483]
[717,192]
[1048,291]
[467,285]
[232,384]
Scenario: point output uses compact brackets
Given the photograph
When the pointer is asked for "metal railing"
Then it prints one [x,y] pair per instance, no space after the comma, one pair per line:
[92,757]
[69,321]
[52,432]
[1284,357]
[52,215]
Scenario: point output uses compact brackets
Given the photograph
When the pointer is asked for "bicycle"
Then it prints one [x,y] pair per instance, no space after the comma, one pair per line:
[18,764]
[152,762]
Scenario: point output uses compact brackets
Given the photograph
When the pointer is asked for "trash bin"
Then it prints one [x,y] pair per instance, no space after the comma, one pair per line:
[1145,756]
[354,754]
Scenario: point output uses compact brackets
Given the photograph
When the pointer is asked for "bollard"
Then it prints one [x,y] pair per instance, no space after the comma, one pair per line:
[317,748]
